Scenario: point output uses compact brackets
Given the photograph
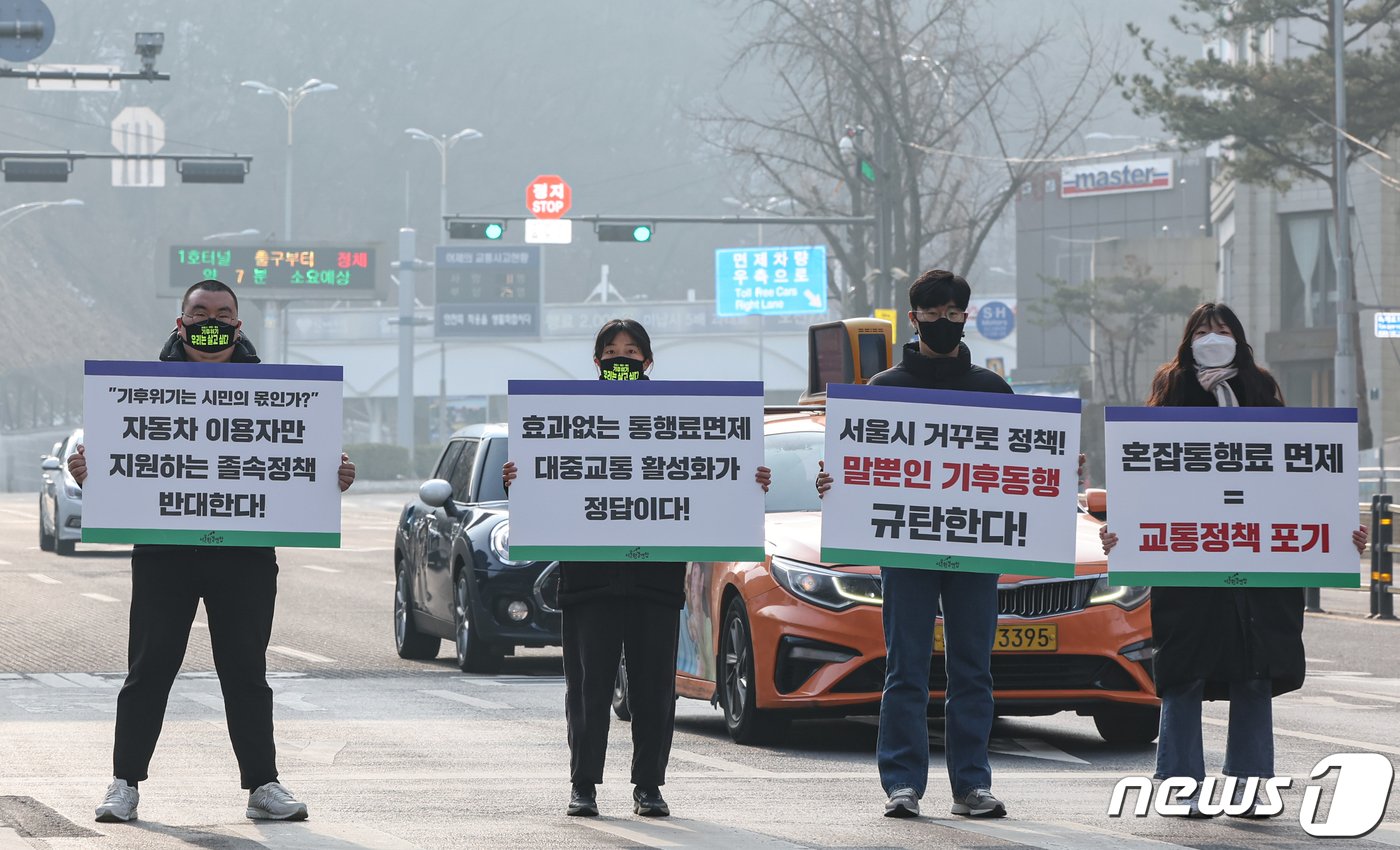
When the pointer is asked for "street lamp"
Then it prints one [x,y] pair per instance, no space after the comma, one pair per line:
[233,234]
[22,210]
[443,143]
[290,98]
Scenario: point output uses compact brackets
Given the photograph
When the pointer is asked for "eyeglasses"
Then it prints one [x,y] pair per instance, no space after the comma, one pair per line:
[953,314]
[225,316]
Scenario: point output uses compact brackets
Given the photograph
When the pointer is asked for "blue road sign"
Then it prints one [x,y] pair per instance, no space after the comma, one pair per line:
[1388,324]
[995,320]
[770,281]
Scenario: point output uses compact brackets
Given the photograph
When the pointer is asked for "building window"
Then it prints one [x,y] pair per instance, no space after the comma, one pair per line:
[1308,294]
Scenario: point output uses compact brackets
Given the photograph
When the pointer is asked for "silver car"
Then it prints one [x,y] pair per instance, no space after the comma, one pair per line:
[60,499]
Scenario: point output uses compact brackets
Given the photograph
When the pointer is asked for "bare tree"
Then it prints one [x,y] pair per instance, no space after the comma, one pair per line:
[904,109]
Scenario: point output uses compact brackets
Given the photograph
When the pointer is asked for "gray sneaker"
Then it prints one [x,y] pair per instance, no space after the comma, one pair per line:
[979,803]
[903,803]
[119,805]
[274,802]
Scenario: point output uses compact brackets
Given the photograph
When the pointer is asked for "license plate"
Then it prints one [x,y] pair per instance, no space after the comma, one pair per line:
[1012,638]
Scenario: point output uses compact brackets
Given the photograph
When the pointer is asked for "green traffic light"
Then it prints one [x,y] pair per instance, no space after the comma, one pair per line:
[641,233]
[494,231]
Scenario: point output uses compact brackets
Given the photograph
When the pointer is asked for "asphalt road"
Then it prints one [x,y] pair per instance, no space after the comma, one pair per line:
[396,755]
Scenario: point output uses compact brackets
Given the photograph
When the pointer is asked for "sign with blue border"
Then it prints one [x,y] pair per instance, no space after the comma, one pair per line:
[785,281]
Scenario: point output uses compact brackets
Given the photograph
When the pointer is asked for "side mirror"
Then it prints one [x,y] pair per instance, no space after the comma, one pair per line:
[437,493]
[1096,503]
[50,464]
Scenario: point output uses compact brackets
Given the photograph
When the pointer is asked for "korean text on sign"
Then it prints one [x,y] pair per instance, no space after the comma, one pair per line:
[1232,497]
[212,454]
[933,479]
[639,471]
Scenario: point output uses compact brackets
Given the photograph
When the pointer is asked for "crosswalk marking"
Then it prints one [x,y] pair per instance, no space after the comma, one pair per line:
[1055,836]
[1350,743]
[213,701]
[87,680]
[299,654]
[101,597]
[53,680]
[317,835]
[296,702]
[1387,835]
[11,840]
[43,579]
[318,568]
[474,702]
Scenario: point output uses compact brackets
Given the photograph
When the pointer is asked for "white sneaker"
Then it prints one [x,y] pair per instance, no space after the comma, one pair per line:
[119,804]
[274,802]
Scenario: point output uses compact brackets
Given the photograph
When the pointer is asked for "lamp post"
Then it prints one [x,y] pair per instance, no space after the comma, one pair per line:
[22,210]
[291,99]
[443,144]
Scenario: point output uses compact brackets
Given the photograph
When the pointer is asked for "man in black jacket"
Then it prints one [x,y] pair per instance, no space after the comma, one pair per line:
[938,360]
[238,585]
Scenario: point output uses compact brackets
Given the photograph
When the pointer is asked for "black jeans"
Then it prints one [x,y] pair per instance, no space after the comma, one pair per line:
[595,634]
[239,589]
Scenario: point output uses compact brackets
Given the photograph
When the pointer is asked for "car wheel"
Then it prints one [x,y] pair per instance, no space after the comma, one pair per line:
[61,546]
[1128,724]
[620,706]
[46,540]
[747,724]
[474,654]
[408,641]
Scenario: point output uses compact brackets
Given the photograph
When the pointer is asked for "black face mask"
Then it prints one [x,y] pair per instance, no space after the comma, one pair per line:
[941,336]
[210,335]
[621,369]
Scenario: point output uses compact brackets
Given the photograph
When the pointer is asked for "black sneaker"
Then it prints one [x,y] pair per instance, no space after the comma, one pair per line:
[903,803]
[648,803]
[979,803]
[583,801]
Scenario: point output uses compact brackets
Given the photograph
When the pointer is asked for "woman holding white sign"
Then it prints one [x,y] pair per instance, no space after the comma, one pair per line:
[1240,644]
[621,610]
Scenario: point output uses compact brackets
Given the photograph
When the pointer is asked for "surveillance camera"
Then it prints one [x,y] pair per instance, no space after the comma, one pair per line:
[149,44]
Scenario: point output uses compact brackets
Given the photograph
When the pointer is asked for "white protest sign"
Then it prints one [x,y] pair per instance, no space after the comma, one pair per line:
[636,470]
[1232,496]
[212,454]
[946,480]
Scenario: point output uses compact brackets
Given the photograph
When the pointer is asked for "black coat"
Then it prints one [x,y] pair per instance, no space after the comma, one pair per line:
[940,373]
[661,582]
[1225,635]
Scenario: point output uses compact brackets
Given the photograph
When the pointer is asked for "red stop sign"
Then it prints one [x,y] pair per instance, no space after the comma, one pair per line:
[548,196]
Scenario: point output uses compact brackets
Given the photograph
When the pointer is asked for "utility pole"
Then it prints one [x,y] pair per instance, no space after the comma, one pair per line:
[1345,364]
[407,246]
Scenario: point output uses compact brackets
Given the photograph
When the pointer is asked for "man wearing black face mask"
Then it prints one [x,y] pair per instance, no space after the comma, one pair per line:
[238,586]
[940,361]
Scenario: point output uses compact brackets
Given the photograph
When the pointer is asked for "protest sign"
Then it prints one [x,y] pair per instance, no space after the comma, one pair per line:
[1232,496]
[950,480]
[636,470]
[212,454]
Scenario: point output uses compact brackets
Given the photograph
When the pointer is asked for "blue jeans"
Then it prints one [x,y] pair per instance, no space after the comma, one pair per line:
[1249,747]
[969,626]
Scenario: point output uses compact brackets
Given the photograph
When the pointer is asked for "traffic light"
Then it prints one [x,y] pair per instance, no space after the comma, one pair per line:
[476,229]
[624,232]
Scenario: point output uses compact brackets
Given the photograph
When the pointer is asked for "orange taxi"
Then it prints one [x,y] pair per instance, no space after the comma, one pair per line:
[792,636]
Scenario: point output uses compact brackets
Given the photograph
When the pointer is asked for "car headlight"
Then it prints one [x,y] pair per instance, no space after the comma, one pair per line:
[1126,597]
[500,544]
[826,588]
[70,487]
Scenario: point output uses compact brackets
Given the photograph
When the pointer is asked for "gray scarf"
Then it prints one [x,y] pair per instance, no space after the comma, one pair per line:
[1216,381]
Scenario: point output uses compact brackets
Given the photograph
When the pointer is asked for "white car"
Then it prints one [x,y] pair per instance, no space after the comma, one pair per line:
[60,499]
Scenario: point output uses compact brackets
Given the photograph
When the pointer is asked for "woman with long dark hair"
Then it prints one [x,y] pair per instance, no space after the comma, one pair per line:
[1240,644]
[616,611]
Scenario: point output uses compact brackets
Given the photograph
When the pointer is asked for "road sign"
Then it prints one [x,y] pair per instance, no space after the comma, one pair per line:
[995,320]
[549,231]
[60,83]
[548,196]
[26,30]
[487,290]
[1388,324]
[770,281]
[138,130]
[298,270]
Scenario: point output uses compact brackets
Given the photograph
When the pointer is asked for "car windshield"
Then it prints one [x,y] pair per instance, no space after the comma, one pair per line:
[793,458]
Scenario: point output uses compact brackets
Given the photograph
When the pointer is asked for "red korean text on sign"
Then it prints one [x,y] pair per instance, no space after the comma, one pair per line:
[548,196]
